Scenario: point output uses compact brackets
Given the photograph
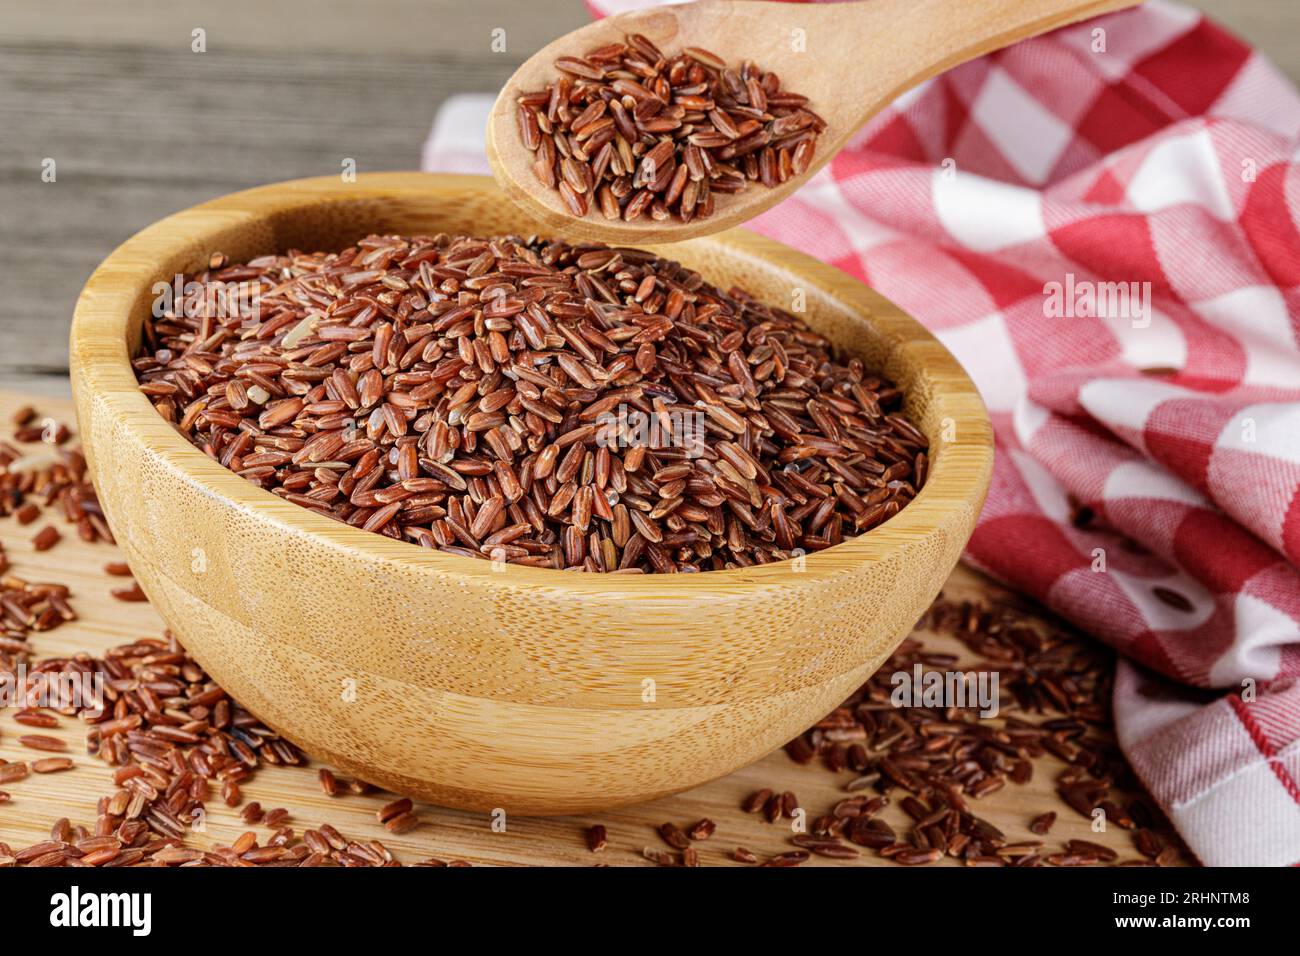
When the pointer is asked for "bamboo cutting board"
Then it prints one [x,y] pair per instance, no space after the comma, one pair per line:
[37,801]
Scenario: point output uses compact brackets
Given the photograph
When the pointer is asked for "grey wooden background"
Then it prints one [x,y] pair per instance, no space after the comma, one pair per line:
[140,126]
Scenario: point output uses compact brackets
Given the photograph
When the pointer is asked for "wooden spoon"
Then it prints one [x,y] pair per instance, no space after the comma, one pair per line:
[850,60]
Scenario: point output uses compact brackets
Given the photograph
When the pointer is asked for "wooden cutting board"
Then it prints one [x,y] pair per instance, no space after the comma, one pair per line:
[37,801]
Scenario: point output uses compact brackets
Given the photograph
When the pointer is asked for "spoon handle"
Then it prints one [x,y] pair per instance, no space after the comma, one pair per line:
[898,44]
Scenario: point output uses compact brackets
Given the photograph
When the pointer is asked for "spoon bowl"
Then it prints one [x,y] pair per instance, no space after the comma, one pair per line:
[850,59]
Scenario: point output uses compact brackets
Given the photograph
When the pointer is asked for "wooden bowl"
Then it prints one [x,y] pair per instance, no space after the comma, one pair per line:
[532,690]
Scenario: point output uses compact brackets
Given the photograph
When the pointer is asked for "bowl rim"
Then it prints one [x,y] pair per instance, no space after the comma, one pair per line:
[100,364]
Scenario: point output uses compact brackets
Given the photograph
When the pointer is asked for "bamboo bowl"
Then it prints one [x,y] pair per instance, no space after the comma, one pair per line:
[532,690]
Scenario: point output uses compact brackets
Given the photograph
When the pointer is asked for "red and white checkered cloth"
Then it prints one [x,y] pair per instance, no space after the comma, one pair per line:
[1147,483]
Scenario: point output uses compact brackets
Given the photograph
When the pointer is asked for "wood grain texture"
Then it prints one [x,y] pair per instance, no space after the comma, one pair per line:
[905,41]
[520,686]
[340,28]
[37,801]
[138,132]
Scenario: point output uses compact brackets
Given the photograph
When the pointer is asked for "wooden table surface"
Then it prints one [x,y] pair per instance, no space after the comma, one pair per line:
[140,126]
[37,801]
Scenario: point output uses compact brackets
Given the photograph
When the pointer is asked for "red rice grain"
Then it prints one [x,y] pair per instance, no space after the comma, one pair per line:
[450,391]
[631,132]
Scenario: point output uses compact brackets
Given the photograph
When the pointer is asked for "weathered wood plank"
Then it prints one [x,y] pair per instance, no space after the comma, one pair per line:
[137,134]
[424,28]
[430,28]
[140,127]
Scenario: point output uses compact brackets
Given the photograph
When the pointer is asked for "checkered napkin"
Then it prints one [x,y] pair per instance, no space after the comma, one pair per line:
[1103,224]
